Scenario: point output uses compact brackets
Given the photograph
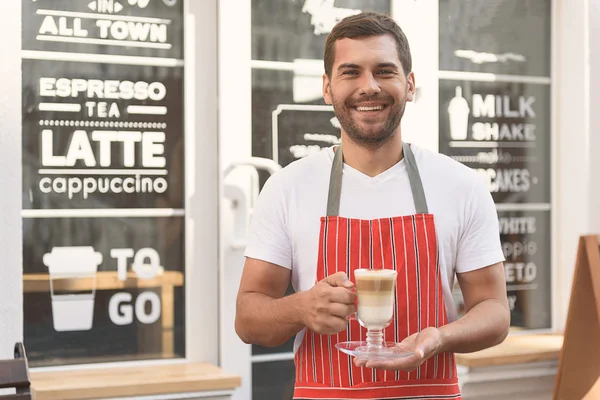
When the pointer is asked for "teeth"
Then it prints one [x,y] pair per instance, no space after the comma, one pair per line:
[369,108]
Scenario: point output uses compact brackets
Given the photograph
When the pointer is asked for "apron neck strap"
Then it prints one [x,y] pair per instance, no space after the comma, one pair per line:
[416,185]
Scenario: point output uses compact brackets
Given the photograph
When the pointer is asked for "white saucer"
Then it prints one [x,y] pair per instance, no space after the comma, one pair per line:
[390,351]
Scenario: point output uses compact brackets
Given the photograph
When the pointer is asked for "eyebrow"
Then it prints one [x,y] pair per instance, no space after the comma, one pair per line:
[387,65]
[348,65]
[355,66]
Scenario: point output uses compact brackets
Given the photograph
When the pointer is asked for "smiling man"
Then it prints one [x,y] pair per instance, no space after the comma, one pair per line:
[373,202]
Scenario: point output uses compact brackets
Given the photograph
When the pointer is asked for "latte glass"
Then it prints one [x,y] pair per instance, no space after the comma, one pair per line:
[375,290]
[375,293]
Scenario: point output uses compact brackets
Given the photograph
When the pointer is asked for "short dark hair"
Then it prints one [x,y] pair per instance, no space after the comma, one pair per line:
[367,24]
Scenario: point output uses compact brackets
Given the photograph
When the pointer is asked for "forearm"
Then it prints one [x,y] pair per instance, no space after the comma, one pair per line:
[266,321]
[485,325]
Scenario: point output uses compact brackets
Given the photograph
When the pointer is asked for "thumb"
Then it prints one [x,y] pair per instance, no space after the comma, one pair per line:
[339,279]
[424,346]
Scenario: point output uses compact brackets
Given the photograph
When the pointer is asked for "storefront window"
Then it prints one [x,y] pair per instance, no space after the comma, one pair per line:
[494,114]
[103,181]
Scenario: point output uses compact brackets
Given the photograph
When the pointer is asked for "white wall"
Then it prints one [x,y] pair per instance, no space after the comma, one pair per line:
[202,185]
[11,317]
[594,179]
[577,139]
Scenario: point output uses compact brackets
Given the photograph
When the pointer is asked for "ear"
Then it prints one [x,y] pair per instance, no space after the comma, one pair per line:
[410,86]
[327,90]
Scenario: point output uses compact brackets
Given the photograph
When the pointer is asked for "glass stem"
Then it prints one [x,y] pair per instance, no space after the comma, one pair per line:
[375,338]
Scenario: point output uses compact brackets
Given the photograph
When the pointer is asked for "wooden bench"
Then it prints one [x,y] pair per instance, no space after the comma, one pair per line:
[151,380]
[14,374]
[524,366]
[516,349]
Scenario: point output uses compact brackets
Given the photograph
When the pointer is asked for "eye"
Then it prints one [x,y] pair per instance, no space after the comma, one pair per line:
[350,72]
[385,72]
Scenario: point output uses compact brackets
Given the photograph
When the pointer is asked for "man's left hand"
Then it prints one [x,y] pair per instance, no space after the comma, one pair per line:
[424,344]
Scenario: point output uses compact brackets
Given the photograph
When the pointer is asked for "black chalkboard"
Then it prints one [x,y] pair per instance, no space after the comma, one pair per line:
[149,28]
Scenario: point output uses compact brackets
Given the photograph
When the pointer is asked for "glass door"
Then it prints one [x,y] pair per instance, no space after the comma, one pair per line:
[459,50]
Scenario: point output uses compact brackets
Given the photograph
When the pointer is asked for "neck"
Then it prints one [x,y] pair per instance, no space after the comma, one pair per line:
[372,162]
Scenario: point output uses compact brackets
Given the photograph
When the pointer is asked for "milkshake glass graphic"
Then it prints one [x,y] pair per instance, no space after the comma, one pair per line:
[458,112]
[72,312]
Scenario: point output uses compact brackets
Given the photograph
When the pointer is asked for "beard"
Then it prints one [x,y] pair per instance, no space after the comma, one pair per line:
[371,137]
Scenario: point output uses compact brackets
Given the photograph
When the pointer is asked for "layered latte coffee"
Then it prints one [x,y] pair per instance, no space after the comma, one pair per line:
[375,296]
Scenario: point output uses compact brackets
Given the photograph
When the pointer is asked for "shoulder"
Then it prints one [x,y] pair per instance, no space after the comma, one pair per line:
[443,171]
[304,171]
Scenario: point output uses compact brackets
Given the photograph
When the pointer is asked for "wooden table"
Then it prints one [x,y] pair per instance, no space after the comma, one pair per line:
[131,381]
[108,280]
[515,349]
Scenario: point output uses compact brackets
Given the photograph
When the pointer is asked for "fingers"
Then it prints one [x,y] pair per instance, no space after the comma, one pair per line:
[342,310]
[408,364]
[339,279]
[423,345]
[426,344]
[341,295]
[330,325]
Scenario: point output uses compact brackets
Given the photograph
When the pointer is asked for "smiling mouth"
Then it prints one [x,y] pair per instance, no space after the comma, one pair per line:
[371,108]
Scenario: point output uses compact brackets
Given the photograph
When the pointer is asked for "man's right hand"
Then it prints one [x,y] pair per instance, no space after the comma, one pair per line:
[329,304]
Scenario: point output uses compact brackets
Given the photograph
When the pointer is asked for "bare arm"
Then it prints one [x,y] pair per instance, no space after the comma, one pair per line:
[264,316]
[484,325]
[487,317]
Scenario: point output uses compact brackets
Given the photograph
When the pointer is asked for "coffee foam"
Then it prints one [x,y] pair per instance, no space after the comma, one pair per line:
[364,273]
[378,280]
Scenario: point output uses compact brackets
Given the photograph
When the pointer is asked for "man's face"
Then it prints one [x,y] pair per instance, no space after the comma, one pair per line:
[368,89]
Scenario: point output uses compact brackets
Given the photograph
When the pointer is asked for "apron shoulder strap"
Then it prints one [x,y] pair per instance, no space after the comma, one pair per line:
[335,182]
[416,184]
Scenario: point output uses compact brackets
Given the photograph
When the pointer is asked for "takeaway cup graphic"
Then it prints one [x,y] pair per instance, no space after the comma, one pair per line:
[458,112]
[72,312]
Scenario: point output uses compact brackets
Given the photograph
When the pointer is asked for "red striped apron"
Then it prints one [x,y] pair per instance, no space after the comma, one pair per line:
[408,245]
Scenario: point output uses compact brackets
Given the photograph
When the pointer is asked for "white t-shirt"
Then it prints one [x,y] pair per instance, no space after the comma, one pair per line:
[285,222]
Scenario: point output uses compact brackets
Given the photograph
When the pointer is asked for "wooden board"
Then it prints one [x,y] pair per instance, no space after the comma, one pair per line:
[516,349]
[84,384]
[579,362]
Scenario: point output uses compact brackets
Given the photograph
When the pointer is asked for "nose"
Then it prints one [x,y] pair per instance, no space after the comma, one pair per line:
[369,85]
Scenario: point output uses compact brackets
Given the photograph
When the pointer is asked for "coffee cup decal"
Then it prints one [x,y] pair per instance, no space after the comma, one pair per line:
[458,113]
[74,311]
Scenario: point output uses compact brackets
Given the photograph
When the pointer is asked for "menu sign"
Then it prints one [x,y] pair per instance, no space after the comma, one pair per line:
[502,130]
[498,123]
[102,135]
[301,130]
[151,28]
[103,180]
[525,237]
